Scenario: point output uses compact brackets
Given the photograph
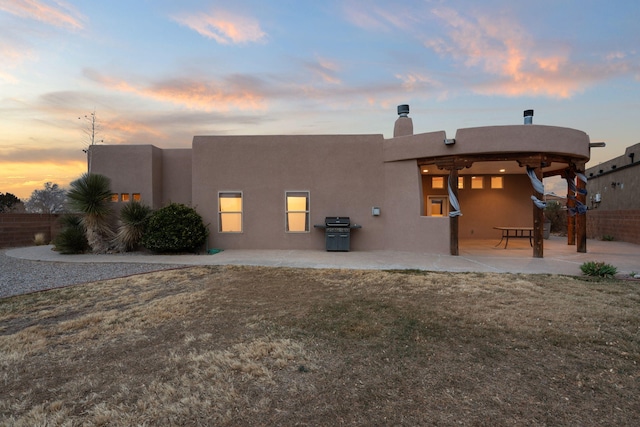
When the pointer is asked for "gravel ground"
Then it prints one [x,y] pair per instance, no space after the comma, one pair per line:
[19,276]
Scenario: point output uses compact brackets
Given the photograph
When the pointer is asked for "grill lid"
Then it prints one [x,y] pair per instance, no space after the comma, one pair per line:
[337,221]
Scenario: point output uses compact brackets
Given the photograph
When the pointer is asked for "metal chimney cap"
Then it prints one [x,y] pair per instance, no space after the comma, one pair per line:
[527,113]
[403,110]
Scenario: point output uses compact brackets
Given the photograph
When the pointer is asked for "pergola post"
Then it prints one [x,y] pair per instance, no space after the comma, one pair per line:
[571,204]
[581,218]
[538,219]
[453,220]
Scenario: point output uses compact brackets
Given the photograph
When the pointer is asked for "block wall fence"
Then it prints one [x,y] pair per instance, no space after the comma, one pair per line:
[622,225]
[19,229]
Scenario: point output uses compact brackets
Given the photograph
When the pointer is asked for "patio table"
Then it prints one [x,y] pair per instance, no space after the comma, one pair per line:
[515,233]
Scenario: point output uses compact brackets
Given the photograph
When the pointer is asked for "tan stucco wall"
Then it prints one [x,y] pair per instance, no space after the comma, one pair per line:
[491,140]
[405,226]
[342,174]
[625,194]
[176,176]
[132,169]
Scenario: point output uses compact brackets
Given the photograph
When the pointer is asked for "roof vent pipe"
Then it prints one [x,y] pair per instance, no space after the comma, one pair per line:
[528,117]
[403,110]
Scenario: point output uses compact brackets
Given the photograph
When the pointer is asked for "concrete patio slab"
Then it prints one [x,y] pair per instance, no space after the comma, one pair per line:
[475,256]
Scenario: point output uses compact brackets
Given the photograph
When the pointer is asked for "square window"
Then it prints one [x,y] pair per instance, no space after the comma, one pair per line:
[297,211]
[115,197]
[136,197]
[230,212]
[477,182]
[125,197]
[437,206]
[437,182]
[497,182]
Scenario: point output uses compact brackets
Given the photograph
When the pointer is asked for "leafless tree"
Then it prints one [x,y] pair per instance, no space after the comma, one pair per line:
[91,135]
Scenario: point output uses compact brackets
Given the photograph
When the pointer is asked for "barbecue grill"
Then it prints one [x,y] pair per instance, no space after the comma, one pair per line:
[337,232]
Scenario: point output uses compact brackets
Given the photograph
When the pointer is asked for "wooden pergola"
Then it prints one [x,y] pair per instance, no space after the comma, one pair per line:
[576,225]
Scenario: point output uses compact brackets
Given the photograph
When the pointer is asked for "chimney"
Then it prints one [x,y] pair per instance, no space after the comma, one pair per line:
[404,124]
[528,117]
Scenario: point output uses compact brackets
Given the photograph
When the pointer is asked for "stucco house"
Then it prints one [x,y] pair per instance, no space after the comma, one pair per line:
[614,197]
[422,192]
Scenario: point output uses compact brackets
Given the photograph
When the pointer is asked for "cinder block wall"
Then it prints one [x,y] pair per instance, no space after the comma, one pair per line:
[623,225]
[19,229]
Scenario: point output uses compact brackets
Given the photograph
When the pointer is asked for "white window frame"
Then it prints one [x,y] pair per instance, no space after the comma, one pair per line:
[240,212]
[307,211]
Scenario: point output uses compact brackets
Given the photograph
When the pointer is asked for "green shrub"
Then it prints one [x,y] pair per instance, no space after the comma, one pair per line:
[174,228]
[72,238]
[608,238]
[598,269]
[133,217]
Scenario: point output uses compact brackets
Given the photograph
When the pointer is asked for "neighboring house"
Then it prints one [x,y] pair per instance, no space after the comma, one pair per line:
[614,197]
[268,192]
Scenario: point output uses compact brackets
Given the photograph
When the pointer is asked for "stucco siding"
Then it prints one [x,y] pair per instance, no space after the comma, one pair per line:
[340,172]
[176,176]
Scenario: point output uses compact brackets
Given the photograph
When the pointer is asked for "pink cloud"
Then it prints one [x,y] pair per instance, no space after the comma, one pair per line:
[59,15]
[224,27]
[502,49]
[236,91]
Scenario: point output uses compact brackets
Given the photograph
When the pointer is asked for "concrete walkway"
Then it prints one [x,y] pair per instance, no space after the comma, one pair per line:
[475,256]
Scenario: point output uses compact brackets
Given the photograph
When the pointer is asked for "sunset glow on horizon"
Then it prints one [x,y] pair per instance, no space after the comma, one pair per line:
[162,72]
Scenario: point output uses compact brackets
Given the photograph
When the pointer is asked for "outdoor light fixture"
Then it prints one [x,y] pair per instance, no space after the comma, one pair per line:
[375,211]
[448,141]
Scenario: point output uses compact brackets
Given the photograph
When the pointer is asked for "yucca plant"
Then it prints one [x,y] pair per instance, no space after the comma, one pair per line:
[90,195]
[72,239]
[133,217]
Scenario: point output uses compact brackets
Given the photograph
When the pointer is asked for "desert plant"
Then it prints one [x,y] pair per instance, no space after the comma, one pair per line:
[174,228]
[133,217]
[598,269]
[39,239]
[90,195]
[557,215]
[608,238]
[72,239]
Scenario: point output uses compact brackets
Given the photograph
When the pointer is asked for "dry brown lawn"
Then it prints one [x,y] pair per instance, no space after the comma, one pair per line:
[251,346]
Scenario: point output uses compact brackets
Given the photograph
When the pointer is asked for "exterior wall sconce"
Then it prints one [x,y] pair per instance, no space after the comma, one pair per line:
[375,211]
[448,141]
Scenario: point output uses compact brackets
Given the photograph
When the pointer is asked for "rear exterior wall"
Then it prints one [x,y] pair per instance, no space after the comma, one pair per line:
[344,174]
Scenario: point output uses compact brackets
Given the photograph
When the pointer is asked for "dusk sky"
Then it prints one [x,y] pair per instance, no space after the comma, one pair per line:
[160,71]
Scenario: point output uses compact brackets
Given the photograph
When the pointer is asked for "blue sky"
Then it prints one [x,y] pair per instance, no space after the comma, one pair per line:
[160,72]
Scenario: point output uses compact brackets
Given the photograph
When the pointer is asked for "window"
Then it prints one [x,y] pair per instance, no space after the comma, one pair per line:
[297,208]
[136,197]
[437,182]
[497,182]
[477,182]
[437,205]
[230,212]
[115,198]
[125,197]
[460,182]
